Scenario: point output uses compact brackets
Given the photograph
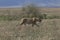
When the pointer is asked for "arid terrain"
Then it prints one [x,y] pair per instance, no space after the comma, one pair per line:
[12,11]
[49,29]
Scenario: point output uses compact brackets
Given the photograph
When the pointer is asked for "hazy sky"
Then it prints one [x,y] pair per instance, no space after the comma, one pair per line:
[47,3]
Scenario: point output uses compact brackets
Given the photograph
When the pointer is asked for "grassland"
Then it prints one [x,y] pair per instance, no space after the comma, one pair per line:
[17,11]
[49,29]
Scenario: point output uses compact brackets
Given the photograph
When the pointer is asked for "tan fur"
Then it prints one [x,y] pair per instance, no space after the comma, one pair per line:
[29,21]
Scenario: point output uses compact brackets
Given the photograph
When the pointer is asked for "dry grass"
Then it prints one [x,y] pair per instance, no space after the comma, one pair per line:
[17,11]
[11,30]
[49,30]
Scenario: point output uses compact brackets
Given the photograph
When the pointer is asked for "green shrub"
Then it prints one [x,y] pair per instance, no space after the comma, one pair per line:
[53,17]
[31,11]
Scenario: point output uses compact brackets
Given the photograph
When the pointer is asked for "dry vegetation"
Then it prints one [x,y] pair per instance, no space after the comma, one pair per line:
[49,29]
[51,11]
[5,11]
